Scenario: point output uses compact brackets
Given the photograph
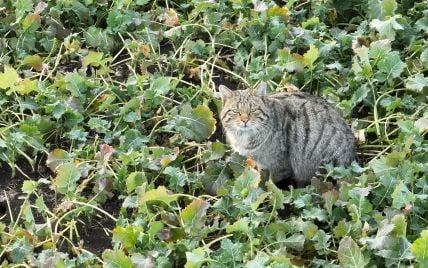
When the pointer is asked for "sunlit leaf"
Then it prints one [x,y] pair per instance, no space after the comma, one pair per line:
[240,225]
[196,258]
[159,194]
[67,176]
[350,254]
[417,82]
[420,248]
[8,78]
[116,259]
[194,213]
[311,56]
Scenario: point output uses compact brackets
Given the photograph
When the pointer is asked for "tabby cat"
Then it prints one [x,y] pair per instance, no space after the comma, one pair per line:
[290,135]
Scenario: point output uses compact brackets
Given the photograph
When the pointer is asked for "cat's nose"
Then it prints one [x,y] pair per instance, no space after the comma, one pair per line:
[245,118]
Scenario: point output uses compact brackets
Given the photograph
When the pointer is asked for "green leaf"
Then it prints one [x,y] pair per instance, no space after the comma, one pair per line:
[215,151]
[277,197]
[196,258]
[330,197]
[34,61]
[127,235]
[193,214]
[159,194]
[391,66]
[383,237]
[197,123]
[241,225]
[97,38]
[248,180]
[22,7]
[420,248]
[24,87]
[93,58]
[387,28]
[231,253]
[20,250]
[311,56]
[65,181]
[350,254]
[400,224]
[134,180]
[417,82]
[281,12]
[8,78]
[295,241]
[402,196]
[116,259]
[389,7]
[76,84]
[28,186]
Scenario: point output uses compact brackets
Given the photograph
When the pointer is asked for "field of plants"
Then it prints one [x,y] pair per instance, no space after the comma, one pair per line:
[112,153]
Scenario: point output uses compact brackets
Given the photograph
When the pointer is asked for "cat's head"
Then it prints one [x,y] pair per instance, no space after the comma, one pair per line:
[244,110]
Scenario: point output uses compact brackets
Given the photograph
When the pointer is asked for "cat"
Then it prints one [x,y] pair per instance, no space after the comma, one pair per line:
[289,135]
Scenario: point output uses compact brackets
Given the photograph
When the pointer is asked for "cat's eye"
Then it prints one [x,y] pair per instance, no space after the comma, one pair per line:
[236,111]
[253,110]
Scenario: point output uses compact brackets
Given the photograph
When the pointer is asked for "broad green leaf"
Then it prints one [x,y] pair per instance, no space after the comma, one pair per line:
[387,28]
[8,78]
[116,259]
[93,58]
[330,197]
[382,238]
[196,258]
[241,225]
[134,180]
[380,49]
[260,199]
[67,176]
[34,61]
[197,123]
[28,186]
[98,38]
[402,196]
[310,22]
[159,194]
[20,250]
[24,87]
[389,7]
[400,224]
[281,12]
[420,248]
[295,241]
[350,254]
[176,177]
[193,214]
[22,7]
[232,253]
[277,198]
[248,180]
[391,66]
[215,151]
[76,84]
[127,235]
[417,82]
[311,56]
[292,62]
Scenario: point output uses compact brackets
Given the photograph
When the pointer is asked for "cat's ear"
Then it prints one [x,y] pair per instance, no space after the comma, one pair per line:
[260,90]
[225,92]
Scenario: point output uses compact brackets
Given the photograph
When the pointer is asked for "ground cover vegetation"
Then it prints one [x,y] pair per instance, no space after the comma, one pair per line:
[109,118]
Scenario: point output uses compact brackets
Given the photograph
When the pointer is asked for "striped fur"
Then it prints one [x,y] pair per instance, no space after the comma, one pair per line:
[289,134]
